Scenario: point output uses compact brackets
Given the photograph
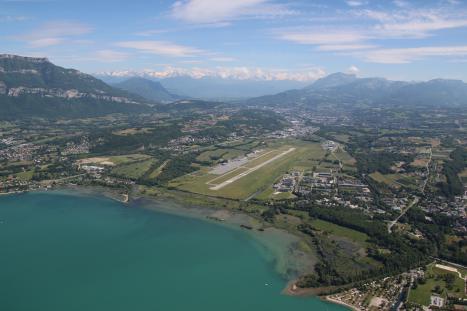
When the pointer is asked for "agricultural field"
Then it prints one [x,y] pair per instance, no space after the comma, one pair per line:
[134,170]
[156,172]
[132,131]
[348,162]
[129,158]
[114,160]
[395,180]
[25,176]
[257,174]
[330,228]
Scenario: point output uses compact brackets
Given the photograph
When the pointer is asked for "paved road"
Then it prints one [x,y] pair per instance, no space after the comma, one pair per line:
[392,223]
[251,170]
[415,201]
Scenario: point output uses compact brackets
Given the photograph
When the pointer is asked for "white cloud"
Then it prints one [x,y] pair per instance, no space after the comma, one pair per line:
[353,70]
[239,73]
[355,3]
[414,23]
[223,59]
[44,42]
[11,18]
[322,36]
[407,23]
[151,32]
[215,11]
[345,47]
[401,3]
[161,48]
[407,55]
[110,56]
[54,33]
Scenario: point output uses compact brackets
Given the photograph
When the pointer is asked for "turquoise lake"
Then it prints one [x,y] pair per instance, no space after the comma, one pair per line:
[77,252]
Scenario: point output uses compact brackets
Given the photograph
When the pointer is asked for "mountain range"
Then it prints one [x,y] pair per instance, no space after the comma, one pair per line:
[148,89]
[212,88]
[341,88]
[34,87]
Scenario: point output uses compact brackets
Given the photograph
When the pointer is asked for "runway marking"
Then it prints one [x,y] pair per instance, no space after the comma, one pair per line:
[250,170]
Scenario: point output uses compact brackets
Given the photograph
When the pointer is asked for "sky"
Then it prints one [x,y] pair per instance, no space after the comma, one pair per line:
[243,39]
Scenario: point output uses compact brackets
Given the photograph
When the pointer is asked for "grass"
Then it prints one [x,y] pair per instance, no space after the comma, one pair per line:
[26,176]
[217,179]
[302,158]
[156,172]
[132,131]
[210,155]
[134,170]
[395,180]
[226,154]
[421,295]
[270,194]
[334,229]
[342,137]
[129,158]
[422,162]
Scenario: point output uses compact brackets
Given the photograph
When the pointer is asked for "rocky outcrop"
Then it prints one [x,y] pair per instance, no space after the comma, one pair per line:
[66,94]
[24,58]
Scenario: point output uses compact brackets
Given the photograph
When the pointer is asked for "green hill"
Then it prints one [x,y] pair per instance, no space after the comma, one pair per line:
[34,87]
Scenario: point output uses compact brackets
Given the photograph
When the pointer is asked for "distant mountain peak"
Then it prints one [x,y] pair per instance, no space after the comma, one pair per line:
[148,89]
[32,86]
[341,88]
[333,80]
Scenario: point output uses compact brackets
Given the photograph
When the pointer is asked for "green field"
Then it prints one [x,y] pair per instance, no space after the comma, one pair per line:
[433,277]
[334,229]
[129,158]
[25,176]
[158,170]
[395,180]
[134,170]
[302,158]
[225,154]
[271,194]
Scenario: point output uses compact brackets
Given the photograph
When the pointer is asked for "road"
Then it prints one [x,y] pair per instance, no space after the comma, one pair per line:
[60,179]
[416,199]
[427,171]
[392,223]
[251,170]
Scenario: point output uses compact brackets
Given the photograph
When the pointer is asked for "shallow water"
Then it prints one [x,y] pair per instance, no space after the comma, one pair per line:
[74,252]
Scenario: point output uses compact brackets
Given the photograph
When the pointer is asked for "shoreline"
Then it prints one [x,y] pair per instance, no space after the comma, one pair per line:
[288,259]
[335,301]
[285,253]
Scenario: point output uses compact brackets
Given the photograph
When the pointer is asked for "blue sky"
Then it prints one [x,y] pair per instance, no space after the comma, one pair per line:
[260,39]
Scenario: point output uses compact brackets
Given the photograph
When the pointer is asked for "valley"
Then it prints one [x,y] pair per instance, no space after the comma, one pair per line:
[376,193]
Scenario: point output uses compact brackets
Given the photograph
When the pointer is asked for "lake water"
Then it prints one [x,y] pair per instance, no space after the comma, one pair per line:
[75,252]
